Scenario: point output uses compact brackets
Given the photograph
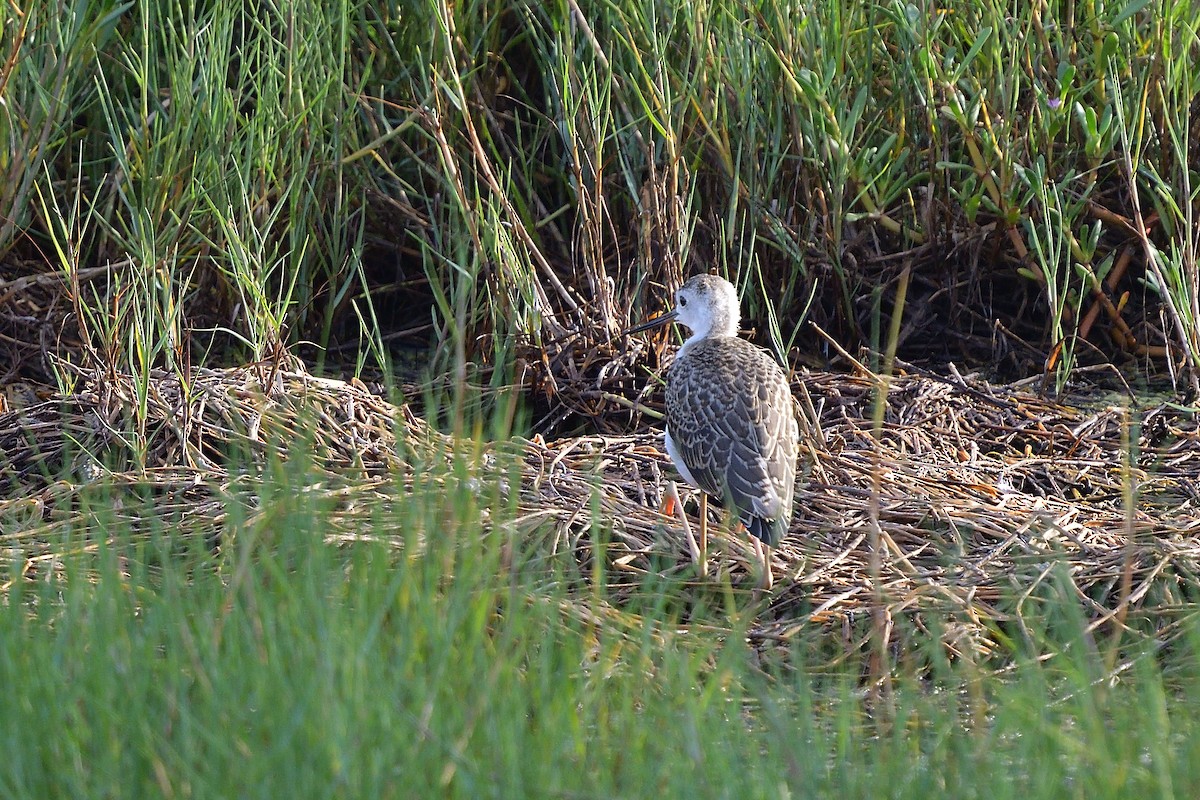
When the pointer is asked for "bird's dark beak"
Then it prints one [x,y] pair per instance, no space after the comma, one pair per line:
[654,322]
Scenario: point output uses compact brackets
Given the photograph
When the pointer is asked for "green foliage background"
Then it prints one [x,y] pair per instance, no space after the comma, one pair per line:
[490,176]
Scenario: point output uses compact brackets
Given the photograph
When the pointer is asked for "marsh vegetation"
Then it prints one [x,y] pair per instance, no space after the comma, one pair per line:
[325,469]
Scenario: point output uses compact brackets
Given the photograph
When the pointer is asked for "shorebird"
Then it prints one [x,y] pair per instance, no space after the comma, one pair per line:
[731,429]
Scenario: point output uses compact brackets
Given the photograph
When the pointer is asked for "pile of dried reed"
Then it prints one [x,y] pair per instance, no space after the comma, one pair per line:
[970,505]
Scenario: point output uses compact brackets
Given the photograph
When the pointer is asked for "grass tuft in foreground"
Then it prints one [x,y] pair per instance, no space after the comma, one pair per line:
[430,660]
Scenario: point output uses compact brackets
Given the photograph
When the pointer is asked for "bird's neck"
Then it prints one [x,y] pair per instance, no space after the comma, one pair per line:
[721,323]
[724,323]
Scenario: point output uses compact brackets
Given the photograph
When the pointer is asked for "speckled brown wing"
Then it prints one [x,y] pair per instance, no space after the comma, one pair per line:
[730,414]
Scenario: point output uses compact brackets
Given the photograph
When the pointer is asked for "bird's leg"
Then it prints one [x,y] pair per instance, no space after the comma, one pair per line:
[763,551]
[673,498]
[671,501]
[704,533]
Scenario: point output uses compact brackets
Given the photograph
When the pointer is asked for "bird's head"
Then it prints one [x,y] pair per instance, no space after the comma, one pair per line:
[707,305]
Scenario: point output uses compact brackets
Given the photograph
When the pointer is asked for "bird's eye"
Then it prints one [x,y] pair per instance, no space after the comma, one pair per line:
[683,302]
